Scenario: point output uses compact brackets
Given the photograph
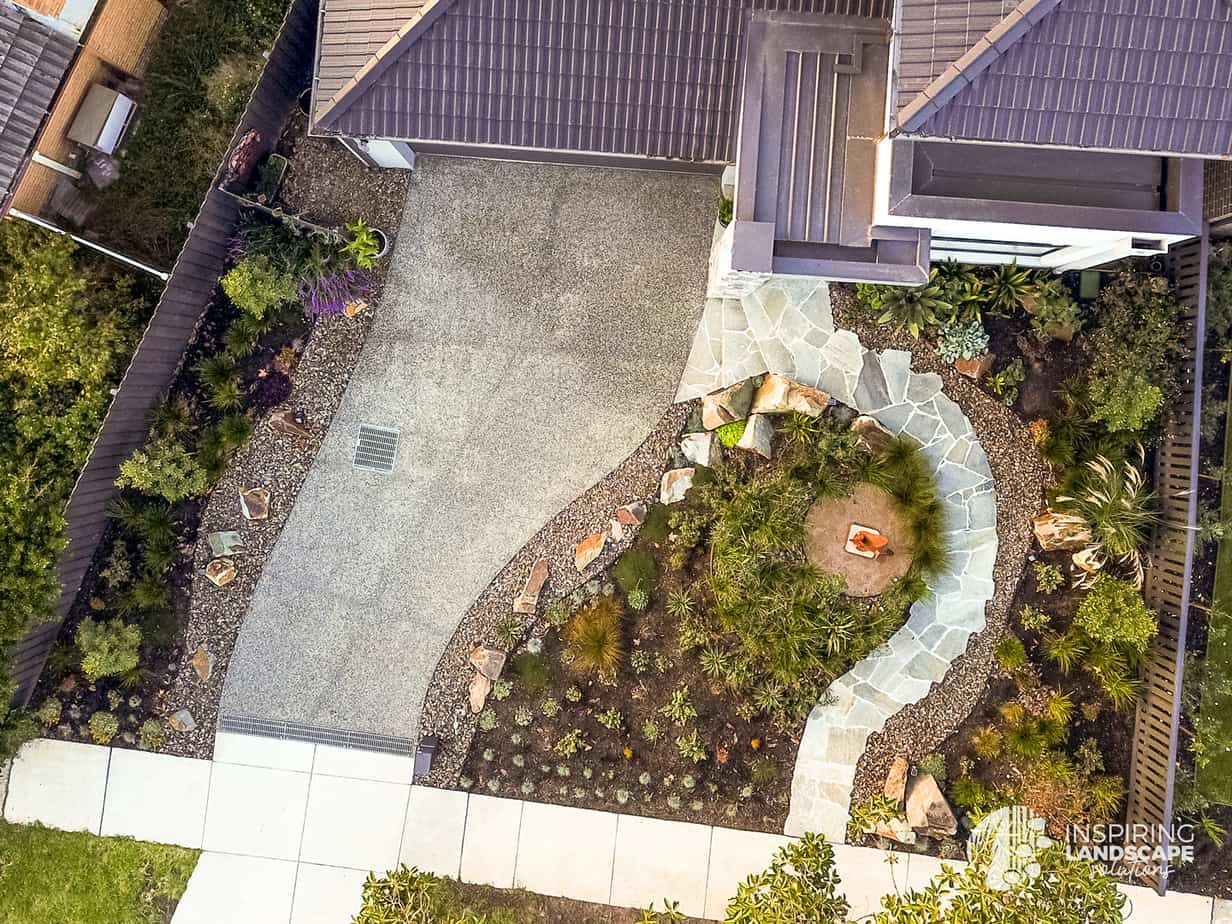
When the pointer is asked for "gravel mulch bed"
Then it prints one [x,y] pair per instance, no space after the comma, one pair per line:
[446,711]
[1021,477]
[328,185]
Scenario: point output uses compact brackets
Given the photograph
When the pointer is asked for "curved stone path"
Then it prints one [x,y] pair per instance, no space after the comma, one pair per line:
[786,327]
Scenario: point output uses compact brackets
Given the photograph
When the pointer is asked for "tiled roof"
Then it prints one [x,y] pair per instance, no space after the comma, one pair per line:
[645,78]
[933,34]
[1134,75]
[33,60]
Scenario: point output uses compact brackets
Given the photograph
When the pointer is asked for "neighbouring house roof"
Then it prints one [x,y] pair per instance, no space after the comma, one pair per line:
[33,61]
[1127,75]
[643,78]
[933,34]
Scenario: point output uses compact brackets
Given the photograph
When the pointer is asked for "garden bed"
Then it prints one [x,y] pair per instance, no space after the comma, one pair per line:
[188,624]
[676,682]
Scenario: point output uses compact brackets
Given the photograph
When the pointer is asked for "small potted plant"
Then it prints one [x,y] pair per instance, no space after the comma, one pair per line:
[965,344]
[365,245]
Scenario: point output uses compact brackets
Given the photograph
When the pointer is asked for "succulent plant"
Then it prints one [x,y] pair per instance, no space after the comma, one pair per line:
[963,340]
[487,720]
[501,690]
[562,771]
[528,787]
[494,785]
[519,760]
[573,694]
[550,707]
[674,802]
[489,755]
[523,716]
[465,782]
[688,781]
[622,796]
[645,779]
[587,773]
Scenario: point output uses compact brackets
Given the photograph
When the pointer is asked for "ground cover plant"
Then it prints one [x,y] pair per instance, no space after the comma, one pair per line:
[48,875]
[103,678]
[203,66]
[677,683]
[67,327]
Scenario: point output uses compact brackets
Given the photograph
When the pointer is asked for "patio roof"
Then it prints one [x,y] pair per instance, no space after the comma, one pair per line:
[623,78]
[33,60]
[1119,75]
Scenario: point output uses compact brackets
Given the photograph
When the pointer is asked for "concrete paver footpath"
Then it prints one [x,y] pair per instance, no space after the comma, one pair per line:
[287,841]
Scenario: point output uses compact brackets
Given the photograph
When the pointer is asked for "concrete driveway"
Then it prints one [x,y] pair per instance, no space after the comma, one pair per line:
[533,331]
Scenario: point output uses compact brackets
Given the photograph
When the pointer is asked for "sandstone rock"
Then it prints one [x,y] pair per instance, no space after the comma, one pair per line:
[488,661]
[695,447]
[182,721]
[290,423]
[927,811]
[480,687]
[528,599]
[896,781]
[726,405]
[872,435]
[616,529]
[1055,531]
[633,514]
[976,368]
[675,484]
[896,829]
[781,395]
[588,550]
[203,663]
[351,309]
[254,503]
[758,436]
[221,572]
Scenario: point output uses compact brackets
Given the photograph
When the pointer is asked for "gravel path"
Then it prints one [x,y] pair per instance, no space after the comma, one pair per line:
[327,185]
[1021,477]
[446,710]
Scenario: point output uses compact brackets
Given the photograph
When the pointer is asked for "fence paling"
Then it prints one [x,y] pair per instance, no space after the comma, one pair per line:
[155,362]
[1156,724]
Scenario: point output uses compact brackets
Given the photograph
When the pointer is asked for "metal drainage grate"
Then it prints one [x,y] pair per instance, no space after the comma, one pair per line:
[313,734]
[376,449]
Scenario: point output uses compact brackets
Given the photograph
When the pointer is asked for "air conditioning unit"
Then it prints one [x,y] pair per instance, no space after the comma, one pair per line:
[102,119]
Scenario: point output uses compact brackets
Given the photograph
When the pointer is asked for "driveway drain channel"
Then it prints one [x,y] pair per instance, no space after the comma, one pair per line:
[376,448]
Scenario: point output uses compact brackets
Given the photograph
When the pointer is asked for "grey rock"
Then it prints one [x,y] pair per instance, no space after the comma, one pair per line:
[758,436]
[695,447]
[182,721]
[871,392]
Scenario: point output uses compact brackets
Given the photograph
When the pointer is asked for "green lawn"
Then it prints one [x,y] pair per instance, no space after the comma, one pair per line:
[1215,779]
[57,877]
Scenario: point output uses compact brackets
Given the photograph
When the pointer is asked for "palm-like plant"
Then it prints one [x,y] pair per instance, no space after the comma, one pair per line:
[915,310]
[1114,503]
[1008,288]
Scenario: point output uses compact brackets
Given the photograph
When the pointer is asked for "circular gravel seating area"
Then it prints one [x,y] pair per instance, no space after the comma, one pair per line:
[825,545]
[786,327]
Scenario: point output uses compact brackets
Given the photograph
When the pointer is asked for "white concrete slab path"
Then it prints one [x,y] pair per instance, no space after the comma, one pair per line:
[290,830]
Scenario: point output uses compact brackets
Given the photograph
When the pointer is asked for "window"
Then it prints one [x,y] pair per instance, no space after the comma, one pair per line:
[999,248]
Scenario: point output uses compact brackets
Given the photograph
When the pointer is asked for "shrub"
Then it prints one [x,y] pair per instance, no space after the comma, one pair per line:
[570,744]
[330,292]
[593,637]
[1048,578]
[963,340]
[1056,315]
[638,599]
[48,714]
[635,569]
[1004,383]
[934,765]
[256,286]
[611,719]
[650,730]
[103,727]
[1115,504]
[799,885]
[914,310]
[987,742]
[691,748]
[164,468]
[1007,288]
[1113,613]
[362,245]
[404,896]
[1124,400]
[107,648]
[1034,619]
[151,734]
[1012,655]
[532,670]
[731,433]
[550,707]
[679,708]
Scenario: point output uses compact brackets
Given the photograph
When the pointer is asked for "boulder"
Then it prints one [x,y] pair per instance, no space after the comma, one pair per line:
[182,721]
[478,692]
[487,661]
[896,780]
[781,395]
[727,404]
[675,484]
[351,309]
[633,514]
[695,447]
[225,543]
[927,811]
[290,423]
[976,368]
[871,434]
[254,503]
[203,663]
[221,572]
[1056,531]
[588,550]
[758,436]
[528,599]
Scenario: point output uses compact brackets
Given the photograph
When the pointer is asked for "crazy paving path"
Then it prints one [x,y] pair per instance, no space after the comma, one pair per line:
[786,327]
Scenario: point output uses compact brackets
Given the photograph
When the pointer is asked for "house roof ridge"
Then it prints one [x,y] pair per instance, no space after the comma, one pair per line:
[977,59]
[382,58]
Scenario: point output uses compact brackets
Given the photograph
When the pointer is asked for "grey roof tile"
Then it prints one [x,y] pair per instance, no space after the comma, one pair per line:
[648,78]
[1143,75]
[33,61]
[936,33]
